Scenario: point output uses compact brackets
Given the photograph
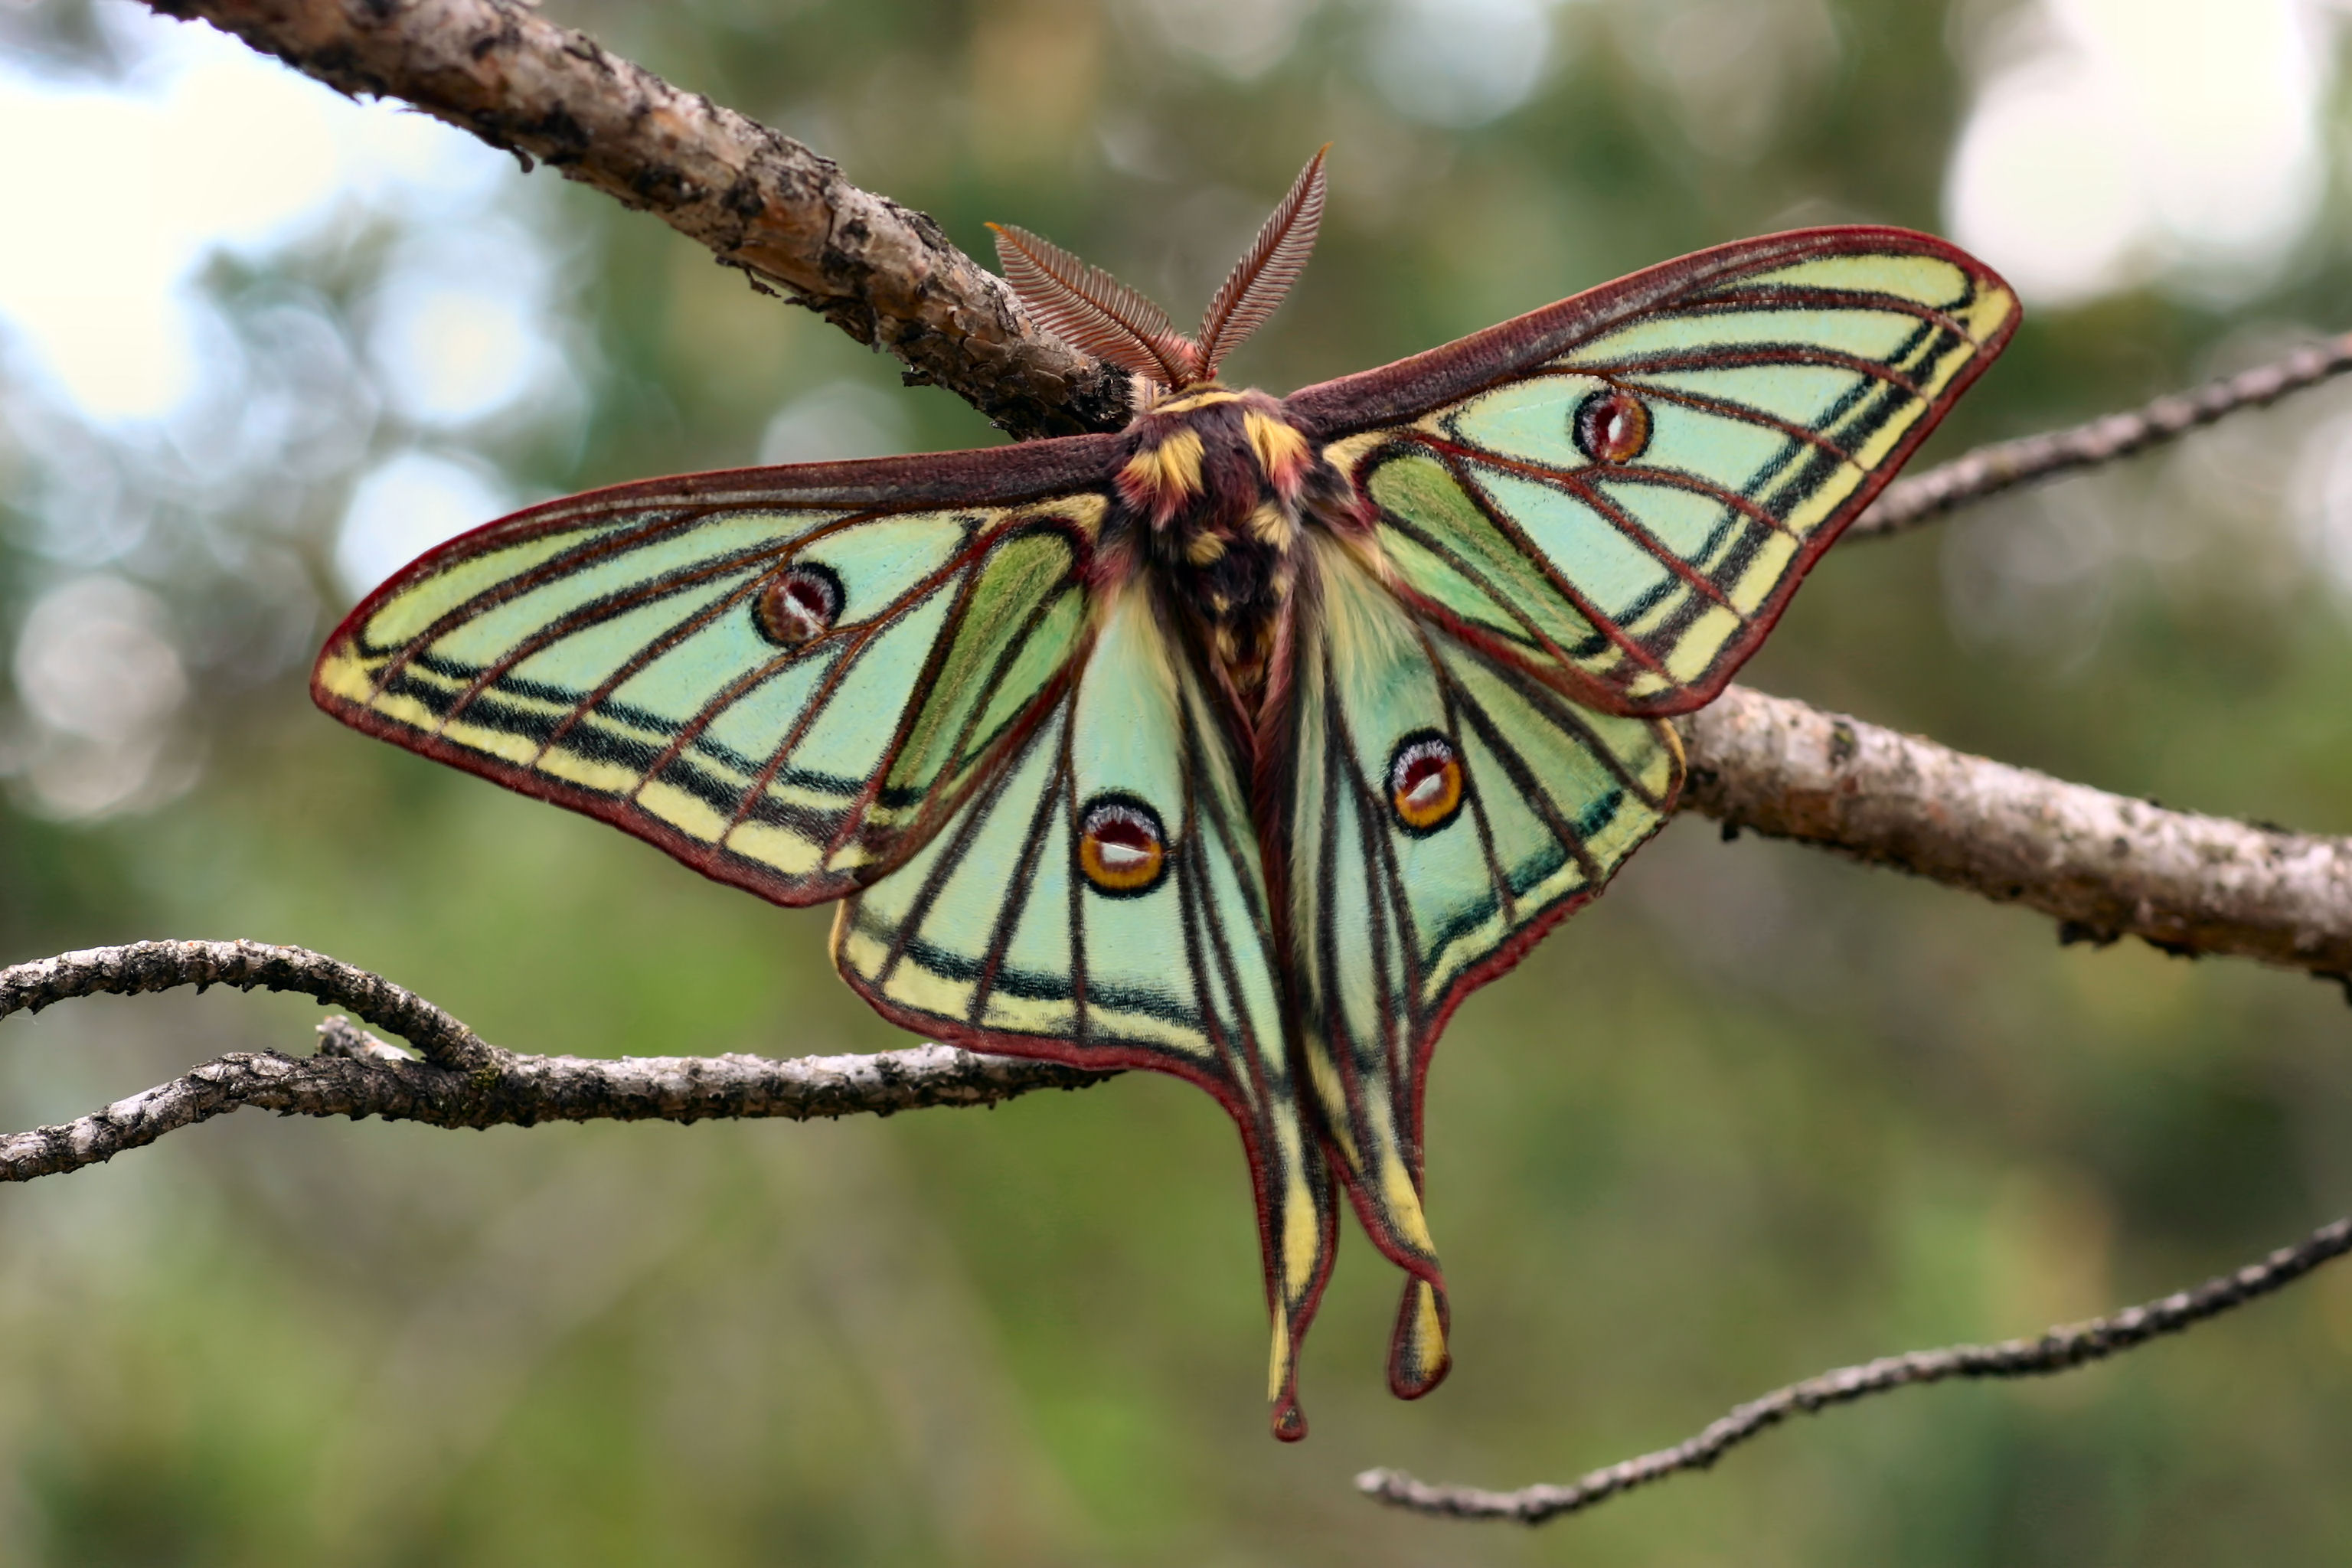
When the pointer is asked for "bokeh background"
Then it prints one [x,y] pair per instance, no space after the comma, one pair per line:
[1756,1113]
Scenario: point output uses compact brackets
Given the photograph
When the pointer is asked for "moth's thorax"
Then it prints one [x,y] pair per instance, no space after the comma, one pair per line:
[1216,489]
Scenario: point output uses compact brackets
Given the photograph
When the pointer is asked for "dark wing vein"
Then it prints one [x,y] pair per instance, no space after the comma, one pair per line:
[1728,408]
[1506,899]
[1503,524]
[1741,357]
[560,566]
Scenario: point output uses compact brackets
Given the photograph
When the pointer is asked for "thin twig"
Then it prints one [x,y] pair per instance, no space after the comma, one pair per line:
[141,966]
[2058,1349]
[2105,866]
[1989,470]
[463,1081]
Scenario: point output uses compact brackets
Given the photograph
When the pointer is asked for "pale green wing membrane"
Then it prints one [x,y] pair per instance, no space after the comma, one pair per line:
[1447,807]
[1098,901]
[782,682]
[1622,491]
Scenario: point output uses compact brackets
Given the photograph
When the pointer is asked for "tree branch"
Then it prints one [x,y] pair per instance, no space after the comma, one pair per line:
[2058,1349]
[883,273]
[463,1081]
[1989,470]
[2105,866]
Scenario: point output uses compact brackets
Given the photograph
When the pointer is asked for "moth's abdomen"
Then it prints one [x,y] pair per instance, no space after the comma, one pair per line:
[1216,487]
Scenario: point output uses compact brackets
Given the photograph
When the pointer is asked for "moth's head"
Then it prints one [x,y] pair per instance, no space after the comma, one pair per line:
[1095,313]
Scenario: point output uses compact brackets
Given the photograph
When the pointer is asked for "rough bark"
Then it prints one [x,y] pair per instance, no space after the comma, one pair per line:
[2104,865]
[883,273]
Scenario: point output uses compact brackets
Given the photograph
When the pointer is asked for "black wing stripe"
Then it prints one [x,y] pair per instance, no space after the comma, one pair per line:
[596,612]
[1585,649]
[1531,789]
[1066,784]
[1506,898]
[1016,899]
[951,858]
[1745,356]
[1565,715]
[509,588]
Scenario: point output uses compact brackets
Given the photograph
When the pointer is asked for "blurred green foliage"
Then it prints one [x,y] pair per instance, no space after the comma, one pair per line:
[1756,1113]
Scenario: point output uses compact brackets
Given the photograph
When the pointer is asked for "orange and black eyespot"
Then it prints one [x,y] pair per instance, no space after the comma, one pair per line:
[1425,782]
[1612,426]
[1122,847]
[797,603]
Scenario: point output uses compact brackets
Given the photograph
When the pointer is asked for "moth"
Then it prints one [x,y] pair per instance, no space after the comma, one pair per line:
[1239,745]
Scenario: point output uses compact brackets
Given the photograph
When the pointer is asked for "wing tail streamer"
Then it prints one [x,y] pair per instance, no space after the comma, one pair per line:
[1099,902]
[1448,808]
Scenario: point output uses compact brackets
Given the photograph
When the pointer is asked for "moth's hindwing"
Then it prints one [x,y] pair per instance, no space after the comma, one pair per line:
[784,692]
[1098,901]
[1448,808]
[1626,505]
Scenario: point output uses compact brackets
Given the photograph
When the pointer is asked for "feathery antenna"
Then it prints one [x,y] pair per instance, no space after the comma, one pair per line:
[1267,270]
[1095,313]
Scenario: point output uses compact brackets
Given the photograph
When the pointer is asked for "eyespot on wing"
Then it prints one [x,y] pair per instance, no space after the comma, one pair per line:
[798,605]
[1122,846]
[1425,782]
[1612,426]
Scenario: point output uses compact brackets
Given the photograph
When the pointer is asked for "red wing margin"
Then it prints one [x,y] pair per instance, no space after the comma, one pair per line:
[1622,491]
[784,676]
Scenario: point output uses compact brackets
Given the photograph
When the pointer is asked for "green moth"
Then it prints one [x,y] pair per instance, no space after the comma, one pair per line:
[1241,745]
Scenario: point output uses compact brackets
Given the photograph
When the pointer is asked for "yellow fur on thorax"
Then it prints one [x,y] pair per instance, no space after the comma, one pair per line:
[1280,448]
[1168,471]
[1269,524]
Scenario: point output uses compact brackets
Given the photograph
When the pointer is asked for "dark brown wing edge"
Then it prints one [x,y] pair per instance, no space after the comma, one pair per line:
[1406,389]
[1026,471]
